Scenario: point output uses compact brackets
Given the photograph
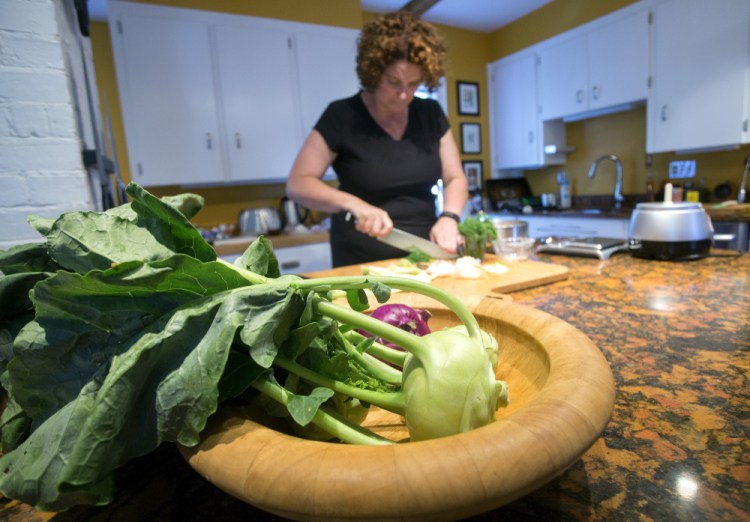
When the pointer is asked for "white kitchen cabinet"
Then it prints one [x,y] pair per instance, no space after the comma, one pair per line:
[168,98]
[596,68]
[517,134]
[321,59]
[700,89]
[261,111]
[209,98]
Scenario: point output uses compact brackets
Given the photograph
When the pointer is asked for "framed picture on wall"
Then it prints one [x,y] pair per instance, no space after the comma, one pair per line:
[468,98]
[471,138]
[473,171]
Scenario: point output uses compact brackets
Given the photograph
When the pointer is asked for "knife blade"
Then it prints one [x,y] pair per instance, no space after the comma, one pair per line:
[409,242]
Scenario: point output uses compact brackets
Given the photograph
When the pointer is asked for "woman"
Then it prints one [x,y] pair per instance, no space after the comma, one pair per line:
[387,148]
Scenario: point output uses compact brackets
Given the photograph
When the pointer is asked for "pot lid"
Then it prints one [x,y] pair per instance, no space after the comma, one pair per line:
[667,206]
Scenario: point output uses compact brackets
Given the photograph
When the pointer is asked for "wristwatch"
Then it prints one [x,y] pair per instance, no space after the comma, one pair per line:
[451,215]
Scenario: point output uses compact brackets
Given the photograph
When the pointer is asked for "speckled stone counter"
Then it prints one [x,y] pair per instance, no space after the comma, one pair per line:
[677,336]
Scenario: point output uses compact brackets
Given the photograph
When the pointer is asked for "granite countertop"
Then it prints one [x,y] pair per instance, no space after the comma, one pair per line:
[677,336]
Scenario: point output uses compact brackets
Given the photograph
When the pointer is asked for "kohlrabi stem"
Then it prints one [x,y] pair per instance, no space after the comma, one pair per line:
[391,401]
[251,277]
[402,283]
[381,351]
[329,421]
[408,341]
[373,366]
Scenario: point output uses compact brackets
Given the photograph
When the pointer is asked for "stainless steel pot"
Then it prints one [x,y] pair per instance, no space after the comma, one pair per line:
[670,231]
[510,228]
[258,221]
[292,213]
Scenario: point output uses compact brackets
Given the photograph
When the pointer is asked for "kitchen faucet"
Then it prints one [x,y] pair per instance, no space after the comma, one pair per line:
[619,198]
[741,192]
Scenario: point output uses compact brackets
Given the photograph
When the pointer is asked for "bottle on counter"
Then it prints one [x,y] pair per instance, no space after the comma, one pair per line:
[650,188]
[566,196]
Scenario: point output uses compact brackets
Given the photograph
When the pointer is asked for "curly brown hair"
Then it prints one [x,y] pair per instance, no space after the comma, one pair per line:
[399,36]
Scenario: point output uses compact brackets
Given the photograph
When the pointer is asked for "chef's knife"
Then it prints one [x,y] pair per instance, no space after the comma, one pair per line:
[409,242]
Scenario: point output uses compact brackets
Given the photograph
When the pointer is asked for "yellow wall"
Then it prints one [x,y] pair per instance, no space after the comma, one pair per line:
[468,54]
[622,134]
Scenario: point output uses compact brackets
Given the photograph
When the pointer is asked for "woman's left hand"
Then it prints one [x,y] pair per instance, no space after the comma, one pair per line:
[445,234]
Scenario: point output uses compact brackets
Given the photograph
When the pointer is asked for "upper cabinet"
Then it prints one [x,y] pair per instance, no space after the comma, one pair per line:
[169,103]
[518,135]
[597,67]
[211,98]
[700,90]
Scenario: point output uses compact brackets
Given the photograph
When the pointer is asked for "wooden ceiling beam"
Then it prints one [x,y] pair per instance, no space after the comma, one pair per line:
[418,7]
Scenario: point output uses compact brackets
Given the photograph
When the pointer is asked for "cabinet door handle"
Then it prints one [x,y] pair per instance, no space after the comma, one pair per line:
[209,141]
[579,95]
[237,140]
[288,265]
[664,113]
[595,92]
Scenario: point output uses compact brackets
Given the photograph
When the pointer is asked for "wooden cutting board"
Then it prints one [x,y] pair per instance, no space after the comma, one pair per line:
[520,275]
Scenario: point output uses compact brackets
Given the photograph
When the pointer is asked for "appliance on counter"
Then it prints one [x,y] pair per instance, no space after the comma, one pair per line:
[598,247]
[258,221]
[293,213]
[670,231]
[508,194]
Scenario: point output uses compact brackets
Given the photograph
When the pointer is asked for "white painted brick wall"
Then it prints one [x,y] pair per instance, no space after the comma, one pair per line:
[41,81]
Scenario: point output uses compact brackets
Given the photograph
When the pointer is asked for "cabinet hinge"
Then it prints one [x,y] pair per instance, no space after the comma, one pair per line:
[648,82]
[119,26]
[650,18]
[744,126]
[289,42]
[140,169]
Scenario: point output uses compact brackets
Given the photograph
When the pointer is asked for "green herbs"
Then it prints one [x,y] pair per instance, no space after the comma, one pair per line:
[478,227]
[122,331]
[477,232]
[418,256]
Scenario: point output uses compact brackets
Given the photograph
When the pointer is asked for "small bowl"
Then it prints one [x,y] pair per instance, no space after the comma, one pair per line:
[513,248]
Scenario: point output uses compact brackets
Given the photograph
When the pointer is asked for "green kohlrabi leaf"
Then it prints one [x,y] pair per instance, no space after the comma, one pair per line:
[83,321]
[168,225]
[260,258]
[16,309]
[357,299]
[163,387]
[15,426]
[41,224]
[83,241]
[240,371]
[303,408]
[147,229]
[31,257]
[269,325]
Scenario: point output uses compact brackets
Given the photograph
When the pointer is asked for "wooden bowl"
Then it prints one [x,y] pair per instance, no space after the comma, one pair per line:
[561,398]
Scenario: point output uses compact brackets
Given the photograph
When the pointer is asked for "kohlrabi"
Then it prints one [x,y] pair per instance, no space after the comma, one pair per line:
[143,330]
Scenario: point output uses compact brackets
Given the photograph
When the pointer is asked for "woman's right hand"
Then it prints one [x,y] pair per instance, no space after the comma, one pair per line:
[370,220]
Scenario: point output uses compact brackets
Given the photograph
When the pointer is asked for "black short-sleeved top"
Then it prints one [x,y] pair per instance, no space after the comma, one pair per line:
[395,175]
